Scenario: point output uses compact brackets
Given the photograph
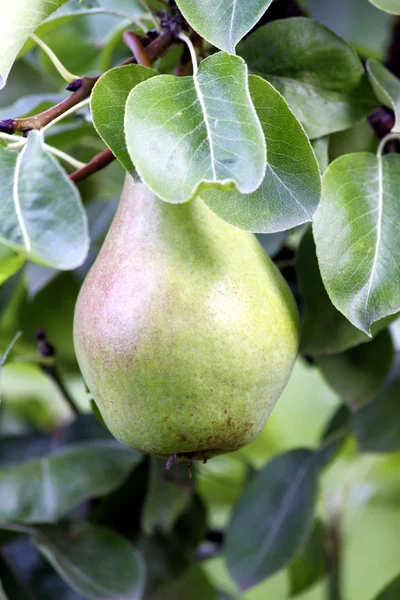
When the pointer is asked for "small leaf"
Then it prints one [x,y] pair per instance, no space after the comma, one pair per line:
[376,425]
[224,23]
[291,189]
[192,584]
[5,354]
[320,76]
[10,263]
[387,88]
[185,134]
[94,561]
[108,101]
[392,591]
[41,213]
[390,6]
[168,496]
[357,375]
[43,490]
[309,566]
[273,518]
[20,19]
[356,234]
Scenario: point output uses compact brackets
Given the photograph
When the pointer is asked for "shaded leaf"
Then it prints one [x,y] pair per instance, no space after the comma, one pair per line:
[26,105]
[386,86]
[192,584]
[185,134]
[273,518]
[107,104]
[225,23]
[320,76]
[49,228]
[20,19]
[377,425]
[355,231]
[168,495]
[10,263]
[321,151]
[357,375]
[94,561]
[309,566]
[291,189]
[392,591]
[43,490]
[324,329]
[390,6]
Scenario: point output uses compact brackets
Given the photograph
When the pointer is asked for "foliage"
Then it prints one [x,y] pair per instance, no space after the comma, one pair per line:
[285,129]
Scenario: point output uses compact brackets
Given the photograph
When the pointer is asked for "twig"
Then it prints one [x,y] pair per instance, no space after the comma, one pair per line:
[81,89]
[132,40]
[333,556]
[97,163]
[47,350]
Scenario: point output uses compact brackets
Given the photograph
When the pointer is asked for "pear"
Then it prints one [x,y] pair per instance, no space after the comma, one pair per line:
[185,331]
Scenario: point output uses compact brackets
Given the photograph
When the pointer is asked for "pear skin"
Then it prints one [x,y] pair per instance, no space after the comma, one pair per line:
[185,331]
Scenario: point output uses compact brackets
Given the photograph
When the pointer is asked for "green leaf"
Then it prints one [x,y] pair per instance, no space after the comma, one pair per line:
[192,584]
[324,329]
[321,150]
[108,101]
[20,19]
[386,86]
[309,566]
[356,234]
[390,6]
[47,227]
[392,591]
[43,490]
[188,133]
[320,76]
[168,496]
[273,518]
[224,23]
[376,425]
[10,263]
[357,375]
[31,104]
[94,561]
[291,189]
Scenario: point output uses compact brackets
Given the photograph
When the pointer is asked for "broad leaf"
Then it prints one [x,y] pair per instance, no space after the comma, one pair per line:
[357,375]
[377,425]
[392,591]
[107,104]
[386,87]
[10,263]
[310,564]
[41,214]
[356,234]
[320,76]
[291,189]
[185,134]
[94,561]
[20,19]
[43,490]
[273,518]
[223,23]
[192,584]
[324,329]
[168,496]
[390,6]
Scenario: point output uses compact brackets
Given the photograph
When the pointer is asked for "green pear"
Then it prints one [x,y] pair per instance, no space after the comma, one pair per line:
[185,331]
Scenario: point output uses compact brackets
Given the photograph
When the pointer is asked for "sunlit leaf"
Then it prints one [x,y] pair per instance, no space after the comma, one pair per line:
[390,6]
[10,263]
[185,134]
[290,191]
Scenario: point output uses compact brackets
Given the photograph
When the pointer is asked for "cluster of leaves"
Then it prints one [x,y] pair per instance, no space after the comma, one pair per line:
[268,110]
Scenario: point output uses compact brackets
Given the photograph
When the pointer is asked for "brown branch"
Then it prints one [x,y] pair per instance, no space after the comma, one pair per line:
[133,41]
[97,163]
[81,89]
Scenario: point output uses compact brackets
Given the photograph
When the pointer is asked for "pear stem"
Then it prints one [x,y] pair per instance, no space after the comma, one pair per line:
[98,162]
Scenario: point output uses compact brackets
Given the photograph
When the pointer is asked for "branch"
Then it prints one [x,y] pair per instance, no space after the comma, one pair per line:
[81,89]
[97,163]
[132,40]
